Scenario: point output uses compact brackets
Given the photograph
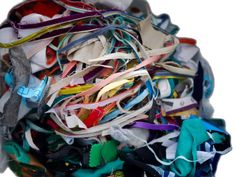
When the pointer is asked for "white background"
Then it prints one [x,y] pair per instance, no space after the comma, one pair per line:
[213,24]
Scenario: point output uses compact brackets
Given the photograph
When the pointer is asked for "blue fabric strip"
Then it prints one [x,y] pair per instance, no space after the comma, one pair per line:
[129,106]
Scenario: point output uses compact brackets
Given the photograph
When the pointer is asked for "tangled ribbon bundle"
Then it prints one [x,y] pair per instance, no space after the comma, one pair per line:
[103,88]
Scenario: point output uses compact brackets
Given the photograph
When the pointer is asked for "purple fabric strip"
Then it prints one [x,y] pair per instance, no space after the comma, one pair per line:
[59,20]
[91,75]
[72,17]
[161,127]
[182,109]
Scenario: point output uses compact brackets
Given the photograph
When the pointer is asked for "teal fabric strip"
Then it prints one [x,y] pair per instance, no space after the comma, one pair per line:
[15,150]
[193,133]
[107,169]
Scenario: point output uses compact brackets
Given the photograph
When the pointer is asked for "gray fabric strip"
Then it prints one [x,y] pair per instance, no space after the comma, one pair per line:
[21,73]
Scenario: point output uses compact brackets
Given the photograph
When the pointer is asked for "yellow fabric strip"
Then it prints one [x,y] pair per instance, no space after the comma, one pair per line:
[33,36]
[111,86]
[115,90]
[75,90]
[167,77]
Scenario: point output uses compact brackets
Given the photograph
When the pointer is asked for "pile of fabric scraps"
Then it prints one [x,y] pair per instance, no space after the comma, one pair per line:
[103,88]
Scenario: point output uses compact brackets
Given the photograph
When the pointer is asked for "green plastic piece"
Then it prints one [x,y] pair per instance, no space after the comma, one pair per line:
[103,153]
[109,151]
[95,159]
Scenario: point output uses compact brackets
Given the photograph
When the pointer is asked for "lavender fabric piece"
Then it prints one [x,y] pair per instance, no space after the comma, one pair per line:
[149,126]
[21,72]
